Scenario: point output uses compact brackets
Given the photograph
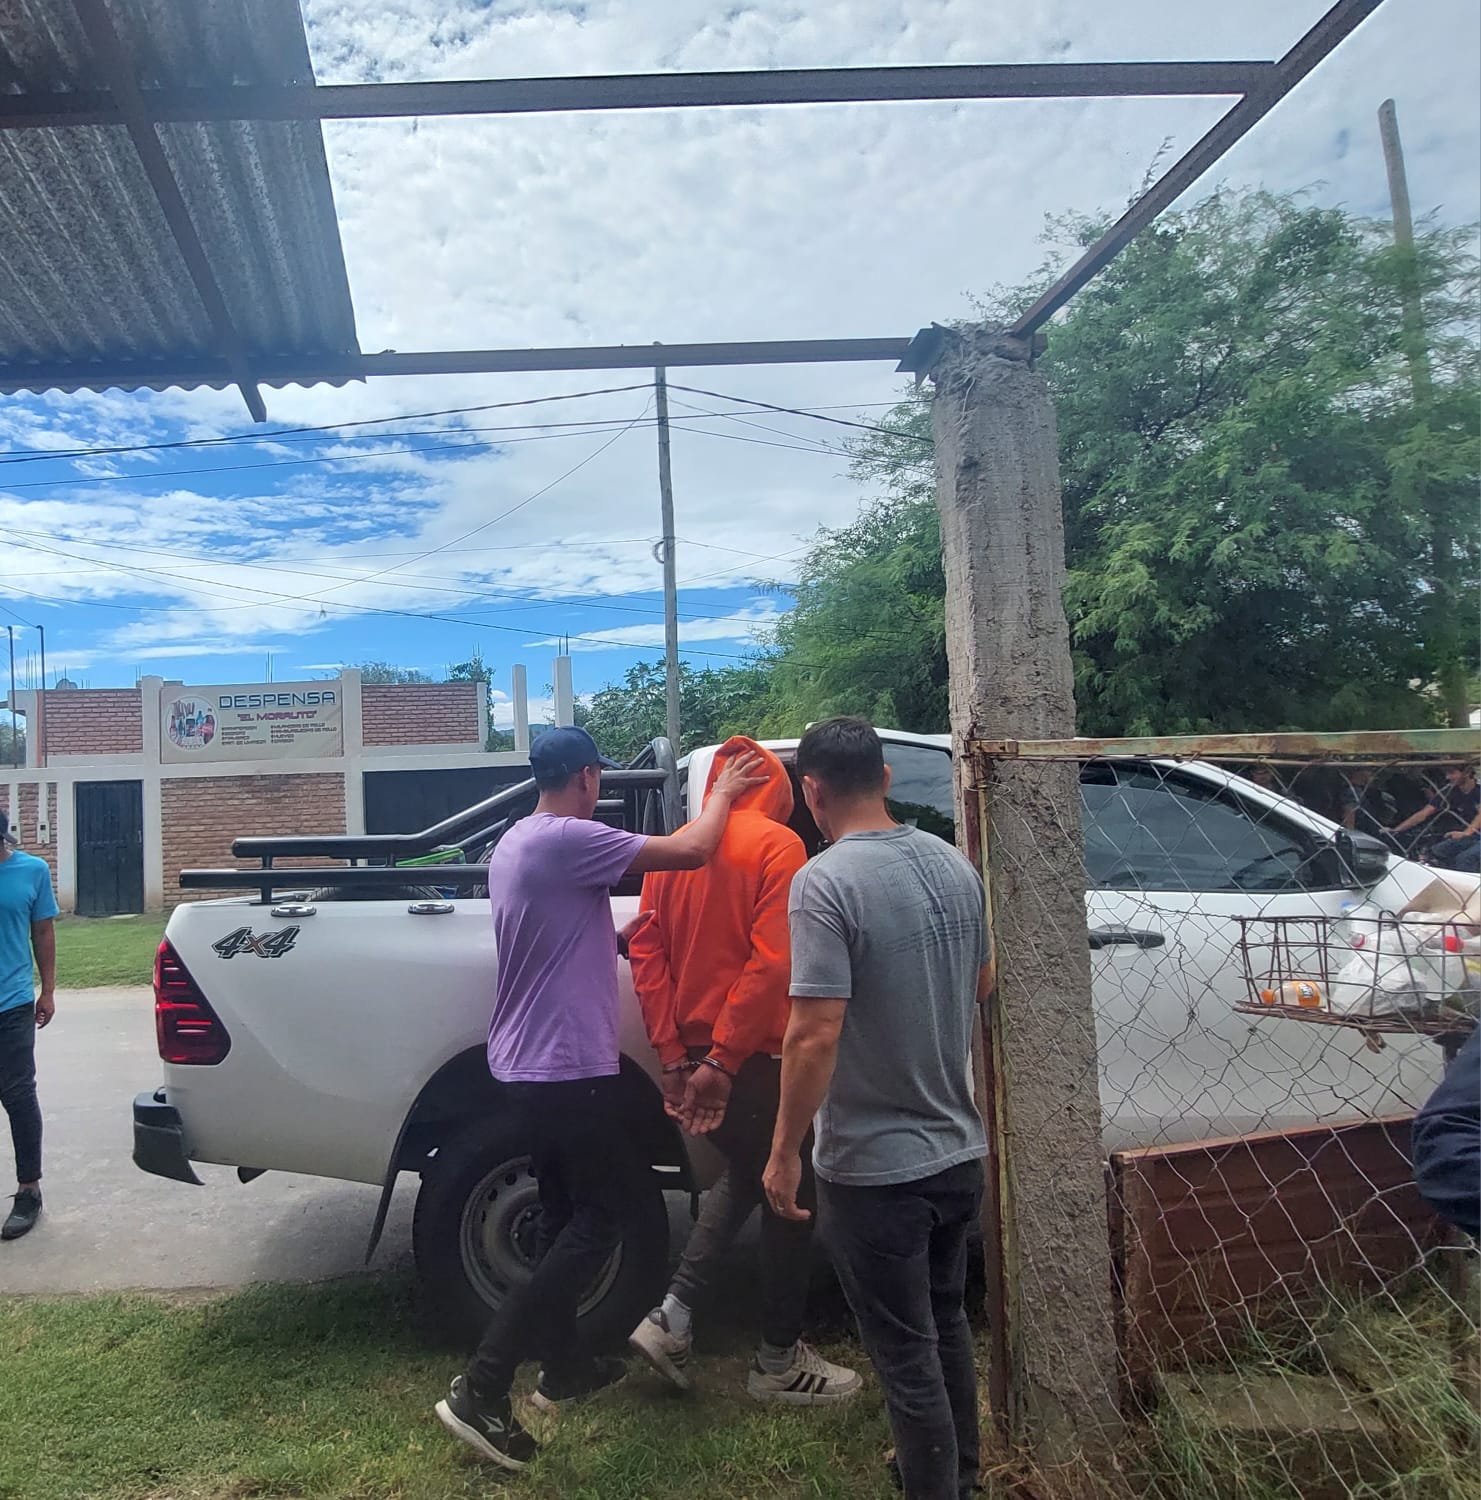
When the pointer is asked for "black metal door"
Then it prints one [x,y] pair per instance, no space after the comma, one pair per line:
[110,847]
[409,801]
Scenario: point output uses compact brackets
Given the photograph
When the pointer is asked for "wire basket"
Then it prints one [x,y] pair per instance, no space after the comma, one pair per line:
[1379,974]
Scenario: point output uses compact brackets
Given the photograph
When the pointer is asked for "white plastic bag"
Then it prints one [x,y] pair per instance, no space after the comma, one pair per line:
[1399,968]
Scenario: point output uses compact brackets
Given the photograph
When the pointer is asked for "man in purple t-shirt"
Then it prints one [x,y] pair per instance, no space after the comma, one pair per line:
[553,1048]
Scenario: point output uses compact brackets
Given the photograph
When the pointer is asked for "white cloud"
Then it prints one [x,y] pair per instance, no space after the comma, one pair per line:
[749,625]
[683,225]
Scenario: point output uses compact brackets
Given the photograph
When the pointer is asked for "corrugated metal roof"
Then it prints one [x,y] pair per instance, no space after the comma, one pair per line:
[93,275]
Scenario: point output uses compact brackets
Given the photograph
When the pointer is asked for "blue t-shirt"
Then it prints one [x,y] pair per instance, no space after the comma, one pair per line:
[25,897]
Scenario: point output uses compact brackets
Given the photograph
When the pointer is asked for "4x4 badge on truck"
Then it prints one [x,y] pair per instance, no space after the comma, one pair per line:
[268,945]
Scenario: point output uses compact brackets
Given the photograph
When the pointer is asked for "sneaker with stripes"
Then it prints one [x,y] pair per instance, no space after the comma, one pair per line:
[667,1351]
[810,1380]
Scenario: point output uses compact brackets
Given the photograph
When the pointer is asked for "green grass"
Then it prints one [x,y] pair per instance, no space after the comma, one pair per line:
[327,1391]
[93,951]
[1411,1363]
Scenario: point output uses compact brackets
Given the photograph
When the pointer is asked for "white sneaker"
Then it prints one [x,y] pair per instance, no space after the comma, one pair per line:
[665,1350]
[810,1380]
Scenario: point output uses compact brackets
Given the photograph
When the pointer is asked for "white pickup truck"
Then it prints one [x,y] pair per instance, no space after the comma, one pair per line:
[340,1030]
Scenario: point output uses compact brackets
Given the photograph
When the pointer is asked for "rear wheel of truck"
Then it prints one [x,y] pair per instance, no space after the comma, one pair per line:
[473,1236]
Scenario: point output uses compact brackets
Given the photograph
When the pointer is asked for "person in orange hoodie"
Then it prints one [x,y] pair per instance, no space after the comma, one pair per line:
[710,962]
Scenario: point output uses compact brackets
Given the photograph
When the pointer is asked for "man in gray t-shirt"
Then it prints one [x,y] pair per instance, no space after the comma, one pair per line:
[890,956]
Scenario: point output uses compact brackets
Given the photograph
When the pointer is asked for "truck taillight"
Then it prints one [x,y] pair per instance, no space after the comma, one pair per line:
[189,1030]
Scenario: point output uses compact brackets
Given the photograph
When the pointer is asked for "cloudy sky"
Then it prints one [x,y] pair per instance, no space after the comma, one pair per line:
[601,229]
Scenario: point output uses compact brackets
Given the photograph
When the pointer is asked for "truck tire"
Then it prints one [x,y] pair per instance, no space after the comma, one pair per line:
[473,1229]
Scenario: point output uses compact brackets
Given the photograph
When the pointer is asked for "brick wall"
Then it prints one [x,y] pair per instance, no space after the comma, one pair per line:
[202,815]
[436,713]
[24,820]
[93,721]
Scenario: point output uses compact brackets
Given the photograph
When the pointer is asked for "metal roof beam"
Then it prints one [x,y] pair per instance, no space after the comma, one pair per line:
[290,371]
[635,356]
[499,96]
[114,64]
[1333,28]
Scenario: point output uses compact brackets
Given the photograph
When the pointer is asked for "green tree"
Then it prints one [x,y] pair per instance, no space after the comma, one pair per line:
[387,672]
[714,703]
[866,634]
[475,669]
[1251,493]
[1249,487]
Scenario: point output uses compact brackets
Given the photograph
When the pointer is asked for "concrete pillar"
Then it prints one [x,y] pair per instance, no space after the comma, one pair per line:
[27,704]
[565,698]
[520,691]
[351,711]
[352,729]
[151,690]
[66,837]
[1008,645]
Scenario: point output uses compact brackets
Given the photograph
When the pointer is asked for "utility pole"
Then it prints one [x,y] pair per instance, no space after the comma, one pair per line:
[1443,628]
[669,558]
[1398,192]
[1008,648]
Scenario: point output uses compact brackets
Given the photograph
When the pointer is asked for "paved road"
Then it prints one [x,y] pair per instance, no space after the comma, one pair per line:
[108,1226]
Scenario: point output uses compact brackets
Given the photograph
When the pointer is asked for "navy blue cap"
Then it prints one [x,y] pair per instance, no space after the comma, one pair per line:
[563,752]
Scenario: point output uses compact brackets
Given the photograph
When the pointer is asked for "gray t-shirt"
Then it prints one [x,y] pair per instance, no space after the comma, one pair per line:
[893,922]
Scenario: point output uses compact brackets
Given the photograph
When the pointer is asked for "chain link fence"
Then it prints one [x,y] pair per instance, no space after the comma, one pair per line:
[1285,950]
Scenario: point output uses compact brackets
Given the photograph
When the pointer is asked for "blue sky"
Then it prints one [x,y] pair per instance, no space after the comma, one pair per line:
[203,562]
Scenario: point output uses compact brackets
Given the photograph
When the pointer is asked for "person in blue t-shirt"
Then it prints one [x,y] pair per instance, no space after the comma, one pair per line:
[27,910]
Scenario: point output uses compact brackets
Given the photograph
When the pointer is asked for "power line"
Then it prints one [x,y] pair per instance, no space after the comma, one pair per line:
[797,411]
[523,600]
[283,564]
[299,602]
[157,475]
[505,514]
[24,455]
[578,429]
[325,434]
[749,422]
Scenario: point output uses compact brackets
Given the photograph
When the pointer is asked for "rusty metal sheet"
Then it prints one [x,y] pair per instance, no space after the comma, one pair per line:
[1379,744]
[1212,1238]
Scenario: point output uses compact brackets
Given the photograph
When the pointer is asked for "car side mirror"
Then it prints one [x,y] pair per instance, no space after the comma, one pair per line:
[1363,858]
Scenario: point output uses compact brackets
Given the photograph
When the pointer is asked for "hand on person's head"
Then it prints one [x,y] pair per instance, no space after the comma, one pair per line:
[740,774]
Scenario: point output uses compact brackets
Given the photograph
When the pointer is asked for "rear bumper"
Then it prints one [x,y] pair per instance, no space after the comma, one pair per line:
[159,1139]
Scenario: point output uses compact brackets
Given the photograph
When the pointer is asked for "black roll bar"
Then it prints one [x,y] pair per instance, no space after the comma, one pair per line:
[453,830]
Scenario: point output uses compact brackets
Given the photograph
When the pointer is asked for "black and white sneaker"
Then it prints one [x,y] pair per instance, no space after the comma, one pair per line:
[601,1375]
[810,1380]
[488,1428]
[665,1350]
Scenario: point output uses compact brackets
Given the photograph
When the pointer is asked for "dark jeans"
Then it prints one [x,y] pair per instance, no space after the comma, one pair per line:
[18,1088]
[586,1178]
[744,1139]
[1456,854]
[901,1254]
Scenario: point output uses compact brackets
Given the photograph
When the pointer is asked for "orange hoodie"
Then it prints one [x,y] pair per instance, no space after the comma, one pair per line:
[711,964]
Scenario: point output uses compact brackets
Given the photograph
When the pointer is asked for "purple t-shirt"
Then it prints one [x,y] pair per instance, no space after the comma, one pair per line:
[555,1013]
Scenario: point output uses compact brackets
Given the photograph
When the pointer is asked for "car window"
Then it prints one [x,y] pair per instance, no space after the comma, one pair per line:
[1147,828]
[921,790]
